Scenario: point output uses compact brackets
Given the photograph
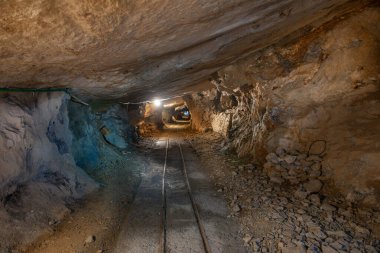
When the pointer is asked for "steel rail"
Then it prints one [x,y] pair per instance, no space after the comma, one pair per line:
[194,205]
[163,194]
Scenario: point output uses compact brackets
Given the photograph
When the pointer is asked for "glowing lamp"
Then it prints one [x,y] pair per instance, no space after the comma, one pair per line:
[157,102]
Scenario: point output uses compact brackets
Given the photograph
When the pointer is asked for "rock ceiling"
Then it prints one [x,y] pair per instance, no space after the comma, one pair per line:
[140,49]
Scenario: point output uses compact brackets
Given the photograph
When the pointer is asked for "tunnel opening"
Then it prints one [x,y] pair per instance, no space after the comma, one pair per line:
[211,131]
[176,116]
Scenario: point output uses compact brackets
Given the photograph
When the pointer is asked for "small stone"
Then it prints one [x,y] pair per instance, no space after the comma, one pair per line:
[370,249]
[370,200]
[327,207]
[300,194]
[328,249]
[257,245]
[338,233]
[293,249]
[301,157]
[276,179]
[280,152]
[317,231]
[272,157]
[52,222]
[236,208]
[317,147]
[250,166]
[313,249]
[346,213]
[247,238]
[316,166]
[314,158]
[90,239]
[268,165]
[314,198]
[353,196]
[315,173]
[313,186]
[362,230]
[305,163]
[290,159]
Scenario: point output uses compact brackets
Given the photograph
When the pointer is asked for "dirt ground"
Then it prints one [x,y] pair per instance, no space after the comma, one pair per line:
[94,223]
[271,217]
[274,219]
[99,223]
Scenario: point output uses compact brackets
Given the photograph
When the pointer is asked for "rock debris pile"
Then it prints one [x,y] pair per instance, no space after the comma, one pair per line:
[297,168]
[302,220]
[293,216]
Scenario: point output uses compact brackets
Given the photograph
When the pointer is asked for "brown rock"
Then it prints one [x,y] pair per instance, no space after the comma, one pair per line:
[328,249]
[313,186]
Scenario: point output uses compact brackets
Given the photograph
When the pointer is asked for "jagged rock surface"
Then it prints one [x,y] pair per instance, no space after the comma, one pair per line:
[97,131]
[38,175]
[141,49]
[280,217]
[317,97]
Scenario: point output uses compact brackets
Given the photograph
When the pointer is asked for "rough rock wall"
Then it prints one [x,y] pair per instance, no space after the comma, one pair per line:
[201,106]
[38,175]
[123,48]
[149,119]
[99,134]
[323,87]
[211,110]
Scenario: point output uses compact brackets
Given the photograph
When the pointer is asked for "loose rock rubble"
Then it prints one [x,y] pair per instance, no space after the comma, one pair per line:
[294,168]
[293,216]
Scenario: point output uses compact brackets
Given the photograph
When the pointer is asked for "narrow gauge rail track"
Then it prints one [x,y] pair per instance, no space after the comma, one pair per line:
[164,238]
[171,215]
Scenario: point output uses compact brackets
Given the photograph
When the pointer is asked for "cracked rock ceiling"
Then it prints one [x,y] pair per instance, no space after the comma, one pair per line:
[136,50]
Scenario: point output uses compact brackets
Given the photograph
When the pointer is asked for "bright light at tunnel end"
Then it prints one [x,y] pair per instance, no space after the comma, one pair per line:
[157,102]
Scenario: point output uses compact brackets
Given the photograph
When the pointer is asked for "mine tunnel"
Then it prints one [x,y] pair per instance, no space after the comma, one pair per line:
[189,126]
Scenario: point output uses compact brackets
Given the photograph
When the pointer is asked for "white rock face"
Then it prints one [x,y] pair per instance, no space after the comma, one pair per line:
[37,172]
[221,123]
[124,48]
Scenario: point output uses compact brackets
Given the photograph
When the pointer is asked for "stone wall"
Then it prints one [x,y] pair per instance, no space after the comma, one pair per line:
[38,175]
[98,132]
[321,89]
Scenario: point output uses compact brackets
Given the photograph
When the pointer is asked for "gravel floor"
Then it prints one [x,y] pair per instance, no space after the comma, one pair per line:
[279,218]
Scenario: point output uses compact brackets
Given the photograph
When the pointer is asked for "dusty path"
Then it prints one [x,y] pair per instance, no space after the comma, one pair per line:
[144,231]
[127,215]
[100,215]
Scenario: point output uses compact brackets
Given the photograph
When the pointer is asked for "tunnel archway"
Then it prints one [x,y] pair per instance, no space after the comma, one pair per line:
[176,116]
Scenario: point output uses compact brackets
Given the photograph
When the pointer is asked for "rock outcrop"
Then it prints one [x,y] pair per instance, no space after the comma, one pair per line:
[38,175]
[286,218]
[98,133]
[316,97]
[138,49]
